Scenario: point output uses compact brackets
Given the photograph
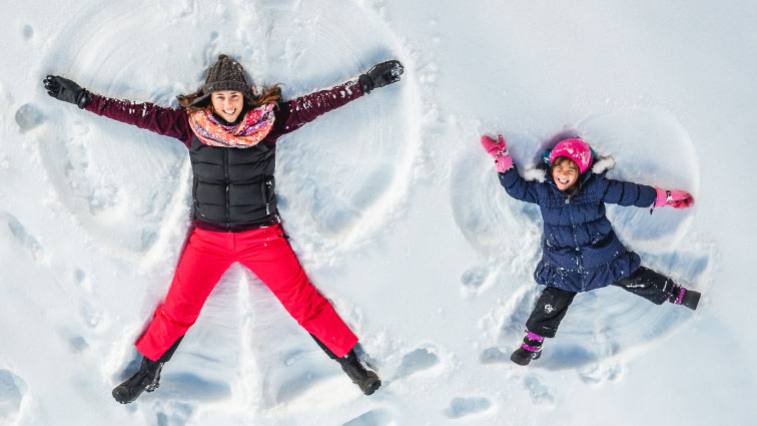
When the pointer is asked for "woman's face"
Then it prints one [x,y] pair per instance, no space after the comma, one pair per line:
[565,173]
[228,104]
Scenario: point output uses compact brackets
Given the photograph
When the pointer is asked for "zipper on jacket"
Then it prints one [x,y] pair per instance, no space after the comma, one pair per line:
[227,185]
[195,203]
[579,263]
[264,194]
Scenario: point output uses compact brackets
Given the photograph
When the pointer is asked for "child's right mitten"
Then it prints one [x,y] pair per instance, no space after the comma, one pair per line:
[673,197]
[498,150]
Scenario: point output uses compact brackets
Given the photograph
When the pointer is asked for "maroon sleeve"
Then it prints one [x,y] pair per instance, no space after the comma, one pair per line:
[165,121]
[297,112]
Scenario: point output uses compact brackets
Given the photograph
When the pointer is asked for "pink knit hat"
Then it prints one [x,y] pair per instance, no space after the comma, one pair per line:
[575,149]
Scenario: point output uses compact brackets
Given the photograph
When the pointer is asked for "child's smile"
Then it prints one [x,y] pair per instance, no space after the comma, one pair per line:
[564,173]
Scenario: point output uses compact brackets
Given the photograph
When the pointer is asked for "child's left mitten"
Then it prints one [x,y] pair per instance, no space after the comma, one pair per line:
[673,197]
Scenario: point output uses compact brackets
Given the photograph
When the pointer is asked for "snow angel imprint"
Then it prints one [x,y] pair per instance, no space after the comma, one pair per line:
[231,133]
[580,249]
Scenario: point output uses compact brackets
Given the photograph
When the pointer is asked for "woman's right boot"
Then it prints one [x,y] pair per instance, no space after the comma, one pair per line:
[367,380]
[146,379]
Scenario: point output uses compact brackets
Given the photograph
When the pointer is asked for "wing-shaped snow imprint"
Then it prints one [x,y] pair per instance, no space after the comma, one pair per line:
[649,147]
[101,170]
[105,174]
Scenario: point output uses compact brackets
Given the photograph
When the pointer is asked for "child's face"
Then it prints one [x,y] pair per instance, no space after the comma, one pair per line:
[565,173]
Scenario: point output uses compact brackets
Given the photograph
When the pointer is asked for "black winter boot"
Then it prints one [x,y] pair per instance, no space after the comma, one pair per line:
[528,350]
[367,380]
[685,297]
[146,379]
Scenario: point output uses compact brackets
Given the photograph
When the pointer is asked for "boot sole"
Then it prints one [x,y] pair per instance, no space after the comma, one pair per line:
[120,399]
[373,387]
[524,361]
[693,301]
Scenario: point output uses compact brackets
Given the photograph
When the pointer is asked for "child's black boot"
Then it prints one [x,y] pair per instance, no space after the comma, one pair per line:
[146,379]
[367,380]
[528,350]
[685,297]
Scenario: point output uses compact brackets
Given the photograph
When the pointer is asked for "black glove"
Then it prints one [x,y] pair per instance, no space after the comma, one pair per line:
[380,75]
[66,90]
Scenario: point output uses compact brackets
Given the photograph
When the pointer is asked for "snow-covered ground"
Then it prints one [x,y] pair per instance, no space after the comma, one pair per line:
[393,207]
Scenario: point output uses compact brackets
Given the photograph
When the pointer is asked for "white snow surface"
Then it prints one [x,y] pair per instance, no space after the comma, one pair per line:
[392,206]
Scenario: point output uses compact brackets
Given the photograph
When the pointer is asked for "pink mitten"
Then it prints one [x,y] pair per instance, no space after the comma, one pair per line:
[498,150]
[675,198]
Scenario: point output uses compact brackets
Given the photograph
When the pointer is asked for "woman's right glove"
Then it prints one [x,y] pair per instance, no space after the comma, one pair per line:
[380,75]
[498,150]
[675,198]
[66,90]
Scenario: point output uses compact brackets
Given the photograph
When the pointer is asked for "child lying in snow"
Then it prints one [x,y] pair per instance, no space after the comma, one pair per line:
[580,249]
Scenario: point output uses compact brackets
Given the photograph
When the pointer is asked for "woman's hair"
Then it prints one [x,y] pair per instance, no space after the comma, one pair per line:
[269,95]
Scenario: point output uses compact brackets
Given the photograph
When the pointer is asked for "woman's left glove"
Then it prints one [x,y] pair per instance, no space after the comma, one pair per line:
[380,75]
[66,90]
[675,198]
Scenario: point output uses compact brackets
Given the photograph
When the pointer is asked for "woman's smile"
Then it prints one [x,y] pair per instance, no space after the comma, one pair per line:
[228,104]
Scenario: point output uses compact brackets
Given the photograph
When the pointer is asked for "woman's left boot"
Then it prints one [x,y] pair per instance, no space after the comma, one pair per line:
[367,380]
[146,379]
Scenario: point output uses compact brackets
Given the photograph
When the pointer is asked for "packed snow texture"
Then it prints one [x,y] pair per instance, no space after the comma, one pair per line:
[392,206]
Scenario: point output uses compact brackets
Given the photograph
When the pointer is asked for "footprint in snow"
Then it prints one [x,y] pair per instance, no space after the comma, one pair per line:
[28,116]
[478,278]
[22,236]
[416,361]
[600,372]
[493,355]
[465,406]
[540,393]
[12,393]
[379,417]
[27,32]
[78,343]
[174,414]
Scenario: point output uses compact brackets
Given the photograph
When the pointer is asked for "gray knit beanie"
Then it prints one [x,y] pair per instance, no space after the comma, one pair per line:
[225,74]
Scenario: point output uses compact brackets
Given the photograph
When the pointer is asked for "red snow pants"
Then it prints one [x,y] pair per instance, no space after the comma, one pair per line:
[265,251]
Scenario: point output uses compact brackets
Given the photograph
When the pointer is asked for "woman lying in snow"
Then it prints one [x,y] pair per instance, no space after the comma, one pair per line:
[231,134]
[580,249]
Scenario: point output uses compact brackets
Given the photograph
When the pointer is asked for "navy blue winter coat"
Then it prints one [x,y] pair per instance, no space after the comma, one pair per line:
[580,249]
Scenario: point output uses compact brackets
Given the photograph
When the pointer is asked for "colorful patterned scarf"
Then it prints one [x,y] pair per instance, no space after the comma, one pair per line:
[255,126]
